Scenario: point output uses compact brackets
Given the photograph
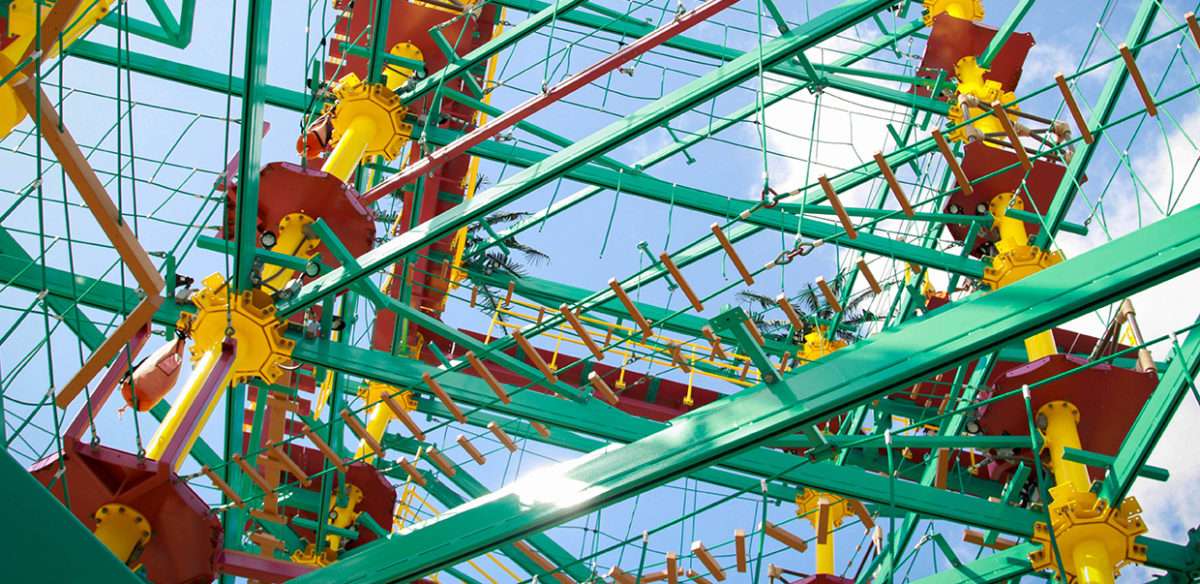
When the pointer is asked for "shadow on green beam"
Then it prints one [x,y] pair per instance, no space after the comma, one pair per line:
[46,543]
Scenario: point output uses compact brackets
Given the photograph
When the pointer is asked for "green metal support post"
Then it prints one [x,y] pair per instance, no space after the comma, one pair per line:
[245,236]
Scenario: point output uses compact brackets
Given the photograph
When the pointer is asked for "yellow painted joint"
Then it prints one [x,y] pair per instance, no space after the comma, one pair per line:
[22,26]
[343,516]
[122,530]
[1095,540]
[965,9]
[971,83]
[261,346]
[368,120]
[380,414]
[293,238]
[817,345]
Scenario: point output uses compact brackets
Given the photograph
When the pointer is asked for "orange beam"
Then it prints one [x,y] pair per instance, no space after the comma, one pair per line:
[107,350]
[894,185]
[683,285]
[836,203]
[1073,107]
[733,255]
[1136,75]
[960,177]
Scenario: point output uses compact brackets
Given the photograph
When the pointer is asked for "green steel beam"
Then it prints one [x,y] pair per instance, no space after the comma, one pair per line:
[415,315]
[596,418]
[1102,110]
[33,274]
[619,132]
[1015,16]
[48,544]
[564,438]
[167,30]
[1153,419]
[998,567]
[794,70]
[448,497]
[186,74]
[808,395]
[245,235]
[485,51]
[648,187]
[475,490]
[69,288]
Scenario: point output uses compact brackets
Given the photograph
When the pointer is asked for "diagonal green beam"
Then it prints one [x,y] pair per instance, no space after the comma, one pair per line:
[485,51]
[808,395]
[167,30]
[39,280]
[47,529]
[475,489]
[682,196]
[186,74]
[598,419]
[1153,419]
[1102,111]
[998,567]
[570,440]
[619,132]
[794,70]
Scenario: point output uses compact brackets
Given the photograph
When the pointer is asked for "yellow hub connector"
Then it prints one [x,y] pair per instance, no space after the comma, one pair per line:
[295,239]
[809,503]
[395,76]
[975,96]
[261,347]
[380,414]
[122,530]
[965,9]
[1095,540]
[340,516]
[1015,259]
[23,23]
[817,345]
[249,317]
[368,120]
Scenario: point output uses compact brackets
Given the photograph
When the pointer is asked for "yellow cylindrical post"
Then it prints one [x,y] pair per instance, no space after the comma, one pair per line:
[825,555]
[1093,563]
[343,516]
[377,422]
[121,529]
[291,239]
[351,147]
[1062,432]
[187,398]
[1013,238]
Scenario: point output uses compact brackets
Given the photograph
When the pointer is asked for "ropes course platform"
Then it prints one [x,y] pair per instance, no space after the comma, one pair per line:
[599,291]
